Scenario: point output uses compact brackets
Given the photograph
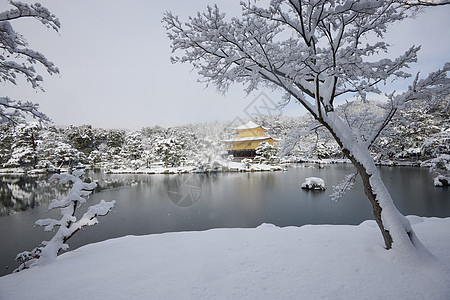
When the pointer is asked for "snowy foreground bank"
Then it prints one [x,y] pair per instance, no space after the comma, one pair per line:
[268,262]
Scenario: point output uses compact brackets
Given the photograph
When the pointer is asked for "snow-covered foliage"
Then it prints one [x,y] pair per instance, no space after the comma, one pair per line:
[345,185]
[55,150]
[247,162]
[27,259]
[212,160]
[302,138]
[68,225]
[18,60]
[438,147]
[436,144]
[266,153]
[307,139]
[24,146]
[313,183]
[169,151]
[441,167]
[313,50]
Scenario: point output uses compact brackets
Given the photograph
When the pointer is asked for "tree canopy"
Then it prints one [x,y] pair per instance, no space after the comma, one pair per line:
[316,51]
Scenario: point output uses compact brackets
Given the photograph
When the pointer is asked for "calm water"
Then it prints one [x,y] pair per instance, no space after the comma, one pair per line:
[165,203]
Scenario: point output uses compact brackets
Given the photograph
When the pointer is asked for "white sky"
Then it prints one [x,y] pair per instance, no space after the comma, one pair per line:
[116,73]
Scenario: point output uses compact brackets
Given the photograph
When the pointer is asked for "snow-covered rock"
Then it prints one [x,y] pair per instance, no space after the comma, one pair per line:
[441,181]
[314,183]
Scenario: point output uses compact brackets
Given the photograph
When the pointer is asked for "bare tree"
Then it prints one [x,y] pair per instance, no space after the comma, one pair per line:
[314,51]
[18,60]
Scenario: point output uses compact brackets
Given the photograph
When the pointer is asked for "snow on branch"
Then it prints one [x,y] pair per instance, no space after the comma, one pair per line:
[20,59]
[36,11]
[68,224]
[254,50]
[15,111]
[17,59]
[426,2]
[345,185]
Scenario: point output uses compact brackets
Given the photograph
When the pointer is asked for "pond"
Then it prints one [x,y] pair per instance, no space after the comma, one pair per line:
[166,203]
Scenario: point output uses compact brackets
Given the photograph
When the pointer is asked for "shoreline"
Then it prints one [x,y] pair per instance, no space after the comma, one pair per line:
[228,167]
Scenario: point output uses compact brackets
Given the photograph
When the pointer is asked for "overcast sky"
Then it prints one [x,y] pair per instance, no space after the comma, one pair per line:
[116,73]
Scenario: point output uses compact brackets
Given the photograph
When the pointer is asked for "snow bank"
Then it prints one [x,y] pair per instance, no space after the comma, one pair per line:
[228,167]
[12,171]
[268,262]
[159,170]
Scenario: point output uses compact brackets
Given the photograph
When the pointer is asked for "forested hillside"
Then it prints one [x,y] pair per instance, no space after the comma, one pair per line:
[417,134]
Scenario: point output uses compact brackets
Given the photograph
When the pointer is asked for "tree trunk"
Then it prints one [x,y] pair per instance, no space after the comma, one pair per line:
[368,190]
[395,228]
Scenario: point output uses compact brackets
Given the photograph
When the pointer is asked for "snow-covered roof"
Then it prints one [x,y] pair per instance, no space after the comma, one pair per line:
[254,138]
[249,125]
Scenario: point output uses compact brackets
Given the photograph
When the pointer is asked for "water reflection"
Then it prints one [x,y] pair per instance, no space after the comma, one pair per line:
[19,193]
[22,192]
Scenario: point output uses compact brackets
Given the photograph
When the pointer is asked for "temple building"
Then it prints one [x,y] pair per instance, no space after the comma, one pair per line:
[247,139]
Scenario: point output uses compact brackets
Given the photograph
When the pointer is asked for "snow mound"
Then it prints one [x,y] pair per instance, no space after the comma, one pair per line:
[314,183]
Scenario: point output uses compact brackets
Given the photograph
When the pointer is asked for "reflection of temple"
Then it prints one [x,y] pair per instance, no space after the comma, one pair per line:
[247,139]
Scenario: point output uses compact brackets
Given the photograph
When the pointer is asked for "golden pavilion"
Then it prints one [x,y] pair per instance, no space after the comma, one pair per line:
[247,139]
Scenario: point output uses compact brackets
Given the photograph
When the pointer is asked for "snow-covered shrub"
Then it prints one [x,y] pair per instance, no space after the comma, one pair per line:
[267,153]
[441,181]
[440,166]
[437,144]
[68,224]
[247,162]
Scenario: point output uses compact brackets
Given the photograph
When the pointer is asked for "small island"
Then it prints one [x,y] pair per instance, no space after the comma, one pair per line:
[314,184]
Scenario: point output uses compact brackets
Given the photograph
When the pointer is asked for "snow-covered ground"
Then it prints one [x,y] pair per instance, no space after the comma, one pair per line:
[268,262]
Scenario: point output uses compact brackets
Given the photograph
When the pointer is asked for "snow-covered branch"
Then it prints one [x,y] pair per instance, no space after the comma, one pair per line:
[345,185]
[14,111]
[68,225]
[36,11]
[17,59]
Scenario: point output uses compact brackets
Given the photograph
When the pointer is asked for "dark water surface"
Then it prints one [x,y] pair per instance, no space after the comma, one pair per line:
[164,203]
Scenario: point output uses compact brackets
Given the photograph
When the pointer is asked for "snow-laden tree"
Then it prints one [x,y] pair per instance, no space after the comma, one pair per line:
[132,149]
[170,151]
[18,60]
[55,150]
[209,155]
[267,153]
[438,147]
[81,137]
[316,51]
[24,146]
[68,224]
[440,166]
[6,140]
